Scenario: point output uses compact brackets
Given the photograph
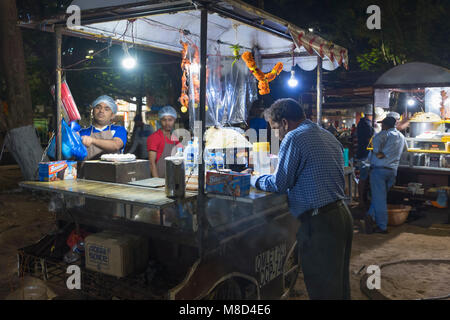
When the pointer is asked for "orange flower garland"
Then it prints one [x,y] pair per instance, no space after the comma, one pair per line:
[184,98]
[195,77]
[263,78]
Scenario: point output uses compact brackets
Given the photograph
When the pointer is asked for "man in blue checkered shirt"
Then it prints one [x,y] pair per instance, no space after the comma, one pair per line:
[311,172]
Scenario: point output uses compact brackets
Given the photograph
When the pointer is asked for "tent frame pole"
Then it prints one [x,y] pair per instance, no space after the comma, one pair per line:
[58,34]
[201,198]
[319,90]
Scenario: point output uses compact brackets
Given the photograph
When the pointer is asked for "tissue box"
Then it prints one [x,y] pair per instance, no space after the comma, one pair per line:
[57,170]
[231,184]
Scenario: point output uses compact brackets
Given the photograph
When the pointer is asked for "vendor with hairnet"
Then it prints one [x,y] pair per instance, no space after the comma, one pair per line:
[161,144]
[102,137]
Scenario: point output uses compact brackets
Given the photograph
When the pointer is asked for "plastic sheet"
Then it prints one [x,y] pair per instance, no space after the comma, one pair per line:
[230,91]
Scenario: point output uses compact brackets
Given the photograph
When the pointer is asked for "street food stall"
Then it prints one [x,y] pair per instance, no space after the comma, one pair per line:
[174,240]
[420,92]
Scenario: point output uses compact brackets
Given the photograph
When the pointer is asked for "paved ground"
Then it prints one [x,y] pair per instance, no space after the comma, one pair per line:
[24,219]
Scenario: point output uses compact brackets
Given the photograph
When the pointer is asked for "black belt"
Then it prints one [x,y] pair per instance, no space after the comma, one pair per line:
[325,208]
[387,168]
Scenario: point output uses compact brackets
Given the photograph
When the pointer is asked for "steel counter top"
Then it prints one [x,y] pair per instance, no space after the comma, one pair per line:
[123,193]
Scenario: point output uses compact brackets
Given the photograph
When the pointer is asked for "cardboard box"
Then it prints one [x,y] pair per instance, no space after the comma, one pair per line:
[116,254]
[116,172]
[57,170]
[231,184]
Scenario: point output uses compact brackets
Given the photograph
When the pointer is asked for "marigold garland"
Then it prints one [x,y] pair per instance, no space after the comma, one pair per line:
[263,78]
[184,98]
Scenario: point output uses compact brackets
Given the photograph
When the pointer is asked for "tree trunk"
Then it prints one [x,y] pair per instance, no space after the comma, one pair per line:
[17,119]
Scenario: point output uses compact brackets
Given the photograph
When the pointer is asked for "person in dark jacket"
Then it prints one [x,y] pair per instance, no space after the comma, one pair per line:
[364,132]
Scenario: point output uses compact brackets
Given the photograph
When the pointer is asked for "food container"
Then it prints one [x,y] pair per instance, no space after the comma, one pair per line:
[397,214]
[419,159]
[175,177]
[261,158]
[446,161]
[417,128]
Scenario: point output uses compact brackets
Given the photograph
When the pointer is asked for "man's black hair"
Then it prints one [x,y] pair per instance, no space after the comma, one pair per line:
[287,108]
[389,122]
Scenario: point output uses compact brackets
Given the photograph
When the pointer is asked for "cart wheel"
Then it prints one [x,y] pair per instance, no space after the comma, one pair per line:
[291,270]
[227,290]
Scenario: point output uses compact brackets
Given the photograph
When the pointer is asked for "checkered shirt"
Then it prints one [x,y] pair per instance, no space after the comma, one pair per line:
[310,169]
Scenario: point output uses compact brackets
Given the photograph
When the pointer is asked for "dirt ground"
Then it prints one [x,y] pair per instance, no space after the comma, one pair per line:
[24,219]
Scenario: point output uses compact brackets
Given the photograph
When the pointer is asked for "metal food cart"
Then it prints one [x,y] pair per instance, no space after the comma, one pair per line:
[224,247]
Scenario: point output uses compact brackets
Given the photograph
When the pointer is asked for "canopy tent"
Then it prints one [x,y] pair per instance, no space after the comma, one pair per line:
[157,24]
[160,25]
[414,75]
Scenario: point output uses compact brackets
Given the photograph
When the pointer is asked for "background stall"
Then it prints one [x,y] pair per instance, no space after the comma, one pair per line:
[420,93]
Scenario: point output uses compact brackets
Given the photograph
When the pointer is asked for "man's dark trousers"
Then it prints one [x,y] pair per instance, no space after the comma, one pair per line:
[325,242]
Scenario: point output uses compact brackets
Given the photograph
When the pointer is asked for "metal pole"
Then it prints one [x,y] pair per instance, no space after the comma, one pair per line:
[319,90]
[373,113]
[58,33]
[201,172]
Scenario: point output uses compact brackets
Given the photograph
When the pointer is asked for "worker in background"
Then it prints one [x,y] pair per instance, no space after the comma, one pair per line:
[141,133]
[401,124]
[332,129]
[102,136]
[364,132]
[311,172]
[162,144]
[388,146]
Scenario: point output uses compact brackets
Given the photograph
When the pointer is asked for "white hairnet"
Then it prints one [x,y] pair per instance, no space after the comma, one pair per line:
[108,100]
[167,111]
[394,115]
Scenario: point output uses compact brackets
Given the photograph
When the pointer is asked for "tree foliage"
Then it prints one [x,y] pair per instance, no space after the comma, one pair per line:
[411,30]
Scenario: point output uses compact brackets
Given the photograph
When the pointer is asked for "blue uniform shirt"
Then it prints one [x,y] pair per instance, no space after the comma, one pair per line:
[310,169]
[391,143]
[117,132]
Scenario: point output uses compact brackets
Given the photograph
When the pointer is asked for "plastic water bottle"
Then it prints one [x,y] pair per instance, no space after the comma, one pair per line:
[179,152]
[196,149]
[220,162]
[189,158]
[211,162]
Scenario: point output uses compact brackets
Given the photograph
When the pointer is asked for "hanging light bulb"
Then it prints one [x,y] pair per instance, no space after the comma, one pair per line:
[184,109]
[128,62]
[292,82]
[411,102]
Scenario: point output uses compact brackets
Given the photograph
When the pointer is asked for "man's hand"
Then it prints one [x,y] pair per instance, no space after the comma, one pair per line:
[87,140]
[380,155]
[253,180]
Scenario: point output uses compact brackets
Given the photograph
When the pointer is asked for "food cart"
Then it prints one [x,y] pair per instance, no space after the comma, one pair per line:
[422,90]
[204,245]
